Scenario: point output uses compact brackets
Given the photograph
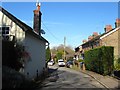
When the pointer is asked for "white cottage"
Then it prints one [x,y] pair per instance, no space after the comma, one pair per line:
[35,44]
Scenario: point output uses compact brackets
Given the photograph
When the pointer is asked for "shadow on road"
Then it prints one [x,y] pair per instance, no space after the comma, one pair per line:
[52,75]
[51,70]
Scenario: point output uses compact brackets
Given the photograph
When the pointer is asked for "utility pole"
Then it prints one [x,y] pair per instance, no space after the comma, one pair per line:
[64,48]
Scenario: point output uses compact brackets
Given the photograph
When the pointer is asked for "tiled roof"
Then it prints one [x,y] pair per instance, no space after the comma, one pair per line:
[97,37]
[21,24]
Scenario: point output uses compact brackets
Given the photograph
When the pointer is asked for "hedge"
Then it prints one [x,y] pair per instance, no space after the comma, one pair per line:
[100,60]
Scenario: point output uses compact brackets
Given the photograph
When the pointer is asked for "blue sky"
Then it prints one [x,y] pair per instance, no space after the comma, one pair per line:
[74,20]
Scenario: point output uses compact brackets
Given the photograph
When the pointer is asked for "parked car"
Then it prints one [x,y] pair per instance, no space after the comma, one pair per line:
[61,62]
[50,63]
[69,64]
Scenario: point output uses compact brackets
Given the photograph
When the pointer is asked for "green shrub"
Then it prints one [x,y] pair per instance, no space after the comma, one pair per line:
[80,60]
[100,60]
[13,54]
[117,64]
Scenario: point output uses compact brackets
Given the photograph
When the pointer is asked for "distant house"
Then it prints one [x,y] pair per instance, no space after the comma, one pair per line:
[109,38]
[14,29]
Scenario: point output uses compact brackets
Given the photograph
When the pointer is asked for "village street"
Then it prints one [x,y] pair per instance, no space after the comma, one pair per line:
[62,77]
[81,36]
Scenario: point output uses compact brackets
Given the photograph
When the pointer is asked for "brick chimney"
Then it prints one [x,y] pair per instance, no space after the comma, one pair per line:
[95,34]
[37,19]
[117,23]
[90,37]
[108,28]
[84,41]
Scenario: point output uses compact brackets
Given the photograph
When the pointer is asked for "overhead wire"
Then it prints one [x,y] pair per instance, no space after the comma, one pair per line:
[50,31]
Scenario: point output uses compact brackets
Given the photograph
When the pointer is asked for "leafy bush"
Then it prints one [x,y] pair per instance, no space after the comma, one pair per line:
[80,60]
[59,55]
[100,60]
[48,54]
[13,54]
[117,64]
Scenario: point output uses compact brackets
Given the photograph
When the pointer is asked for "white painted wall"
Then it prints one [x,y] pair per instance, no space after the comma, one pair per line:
[34,46]
[37,51]
[14,28]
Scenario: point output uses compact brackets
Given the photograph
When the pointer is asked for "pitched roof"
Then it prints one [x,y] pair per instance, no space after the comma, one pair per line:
[94,39]
[98,37]
[114,30]
[21,24]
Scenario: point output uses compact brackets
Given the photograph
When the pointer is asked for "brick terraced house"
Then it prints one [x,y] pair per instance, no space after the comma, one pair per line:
[111,37]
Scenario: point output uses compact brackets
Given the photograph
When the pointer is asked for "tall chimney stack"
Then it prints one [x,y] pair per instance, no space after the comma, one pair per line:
[37,19]
[117,23]
[95,34]
[108,28]
[90,38]
[84,41]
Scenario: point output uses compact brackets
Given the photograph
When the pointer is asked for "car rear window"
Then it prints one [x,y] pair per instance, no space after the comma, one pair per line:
[61,61]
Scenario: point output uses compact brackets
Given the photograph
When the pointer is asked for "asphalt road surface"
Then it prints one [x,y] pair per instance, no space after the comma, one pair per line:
[62,77]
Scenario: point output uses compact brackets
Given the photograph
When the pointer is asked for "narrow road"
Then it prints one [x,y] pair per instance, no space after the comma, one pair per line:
[62,77]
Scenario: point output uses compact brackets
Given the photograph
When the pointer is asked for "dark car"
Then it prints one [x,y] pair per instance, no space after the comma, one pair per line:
[69,64]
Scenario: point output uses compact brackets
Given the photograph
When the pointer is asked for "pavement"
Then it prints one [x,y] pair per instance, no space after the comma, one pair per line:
[108,81]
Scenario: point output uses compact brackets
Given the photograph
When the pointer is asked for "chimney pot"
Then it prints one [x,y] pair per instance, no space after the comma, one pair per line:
[38,7]
[117,23]
[95,34]
[117,20]
[108,28]
[84,41]
[37,19]
[90,37]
